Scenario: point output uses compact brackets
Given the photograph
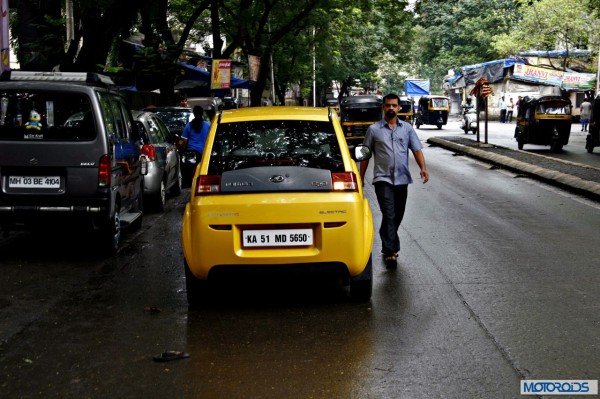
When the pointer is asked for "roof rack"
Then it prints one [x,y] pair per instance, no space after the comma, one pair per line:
[75,77]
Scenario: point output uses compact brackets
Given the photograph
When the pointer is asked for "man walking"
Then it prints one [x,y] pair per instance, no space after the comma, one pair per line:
[586,113]
[502,105]
[390,139]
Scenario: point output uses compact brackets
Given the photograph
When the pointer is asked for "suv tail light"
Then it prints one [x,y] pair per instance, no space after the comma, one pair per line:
[149,151]
[344,181]
[104,171]
[208,185]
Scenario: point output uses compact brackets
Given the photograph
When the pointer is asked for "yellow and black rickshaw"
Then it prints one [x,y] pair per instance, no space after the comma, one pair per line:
[357,113]
[333,103]
[433,110]
[407,109]
[544,120]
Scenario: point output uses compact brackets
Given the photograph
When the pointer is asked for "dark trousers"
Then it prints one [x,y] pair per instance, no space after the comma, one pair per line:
[502,115]
[392,203]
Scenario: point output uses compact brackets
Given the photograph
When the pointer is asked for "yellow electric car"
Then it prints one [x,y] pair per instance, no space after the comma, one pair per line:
[278,189]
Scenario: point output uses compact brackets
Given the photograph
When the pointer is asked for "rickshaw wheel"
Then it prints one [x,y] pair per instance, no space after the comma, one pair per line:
[588,145]
[556,146]
[439,127]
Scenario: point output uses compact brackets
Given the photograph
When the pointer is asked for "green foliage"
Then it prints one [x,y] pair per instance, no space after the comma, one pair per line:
[550,25]
[452,34]
[365,41]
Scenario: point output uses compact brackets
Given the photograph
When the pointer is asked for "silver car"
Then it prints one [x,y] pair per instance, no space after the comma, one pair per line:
[158,147]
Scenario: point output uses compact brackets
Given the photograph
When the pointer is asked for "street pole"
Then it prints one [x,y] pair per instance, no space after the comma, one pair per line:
[598,75]
[486,120]
[314,71]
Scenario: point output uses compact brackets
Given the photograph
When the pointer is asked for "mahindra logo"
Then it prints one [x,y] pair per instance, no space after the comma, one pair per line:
[277,179]
[33,161]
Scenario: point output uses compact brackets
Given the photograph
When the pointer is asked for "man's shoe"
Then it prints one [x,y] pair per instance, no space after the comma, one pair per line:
[390,261]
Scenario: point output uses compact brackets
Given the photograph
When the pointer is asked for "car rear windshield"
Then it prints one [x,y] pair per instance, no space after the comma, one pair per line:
[175,120]
[275,143]
[45,115]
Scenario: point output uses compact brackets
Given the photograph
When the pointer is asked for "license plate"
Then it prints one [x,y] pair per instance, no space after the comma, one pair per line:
[277,238]
[34,181]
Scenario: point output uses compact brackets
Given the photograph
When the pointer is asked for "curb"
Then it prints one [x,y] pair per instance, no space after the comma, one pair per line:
[573,183]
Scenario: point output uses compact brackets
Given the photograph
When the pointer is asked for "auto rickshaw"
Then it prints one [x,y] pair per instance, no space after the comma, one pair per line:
[593,138]
[433,110]
[333,103]
[357,113]
[544,120]
[407,109]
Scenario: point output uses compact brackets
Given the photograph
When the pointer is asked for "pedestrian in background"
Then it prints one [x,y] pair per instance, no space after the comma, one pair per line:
[183,102]
[195,132]
[585,114]
[502,106]
[390,139]
[510,110]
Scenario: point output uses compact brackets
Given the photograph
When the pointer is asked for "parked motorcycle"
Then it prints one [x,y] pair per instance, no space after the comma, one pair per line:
[469,121]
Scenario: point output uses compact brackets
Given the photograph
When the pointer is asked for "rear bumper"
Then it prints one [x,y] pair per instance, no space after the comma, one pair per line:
[212,236]
[28,213]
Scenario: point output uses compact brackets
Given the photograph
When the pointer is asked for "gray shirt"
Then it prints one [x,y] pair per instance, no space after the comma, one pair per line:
[390,151]
[586,110]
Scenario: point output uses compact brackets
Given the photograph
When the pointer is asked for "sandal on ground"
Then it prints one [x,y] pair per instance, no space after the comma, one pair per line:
[390,261]
[171,355]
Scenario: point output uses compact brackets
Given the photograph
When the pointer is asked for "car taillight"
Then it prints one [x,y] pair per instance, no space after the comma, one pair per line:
[104,171]
[208,185]
[149,151]
[344,181]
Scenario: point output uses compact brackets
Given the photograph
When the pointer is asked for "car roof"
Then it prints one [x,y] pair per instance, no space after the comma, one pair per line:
[275,113]
[362,99]
[167,109]
[435,96]
[139,113]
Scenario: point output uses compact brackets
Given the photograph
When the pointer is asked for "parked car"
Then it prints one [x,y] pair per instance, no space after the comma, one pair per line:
[75,162]
[278,188]
[164,169]
[231,103]
[174,117]
[210,105]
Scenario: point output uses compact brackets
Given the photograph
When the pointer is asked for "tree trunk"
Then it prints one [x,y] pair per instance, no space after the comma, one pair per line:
[258,89]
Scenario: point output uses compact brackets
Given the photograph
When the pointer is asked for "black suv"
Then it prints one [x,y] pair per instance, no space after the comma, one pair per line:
[70,154]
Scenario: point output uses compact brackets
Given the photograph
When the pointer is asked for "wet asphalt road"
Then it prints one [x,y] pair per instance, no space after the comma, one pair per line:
[497,282]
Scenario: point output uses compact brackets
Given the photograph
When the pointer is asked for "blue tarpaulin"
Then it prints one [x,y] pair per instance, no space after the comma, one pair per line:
[416,87]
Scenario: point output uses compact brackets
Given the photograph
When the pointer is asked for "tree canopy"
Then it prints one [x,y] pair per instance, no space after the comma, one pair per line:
[364,43]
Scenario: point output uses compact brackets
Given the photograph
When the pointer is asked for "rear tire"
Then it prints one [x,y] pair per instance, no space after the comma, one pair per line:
[159,199]
[110,234]
[361,286]
[196,289]
[176,189]
[556,146]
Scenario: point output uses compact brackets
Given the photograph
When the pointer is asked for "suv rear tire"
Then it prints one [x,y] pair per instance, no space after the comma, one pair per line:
[110,234]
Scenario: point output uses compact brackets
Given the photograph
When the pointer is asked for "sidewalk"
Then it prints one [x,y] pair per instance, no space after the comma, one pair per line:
[575,177]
